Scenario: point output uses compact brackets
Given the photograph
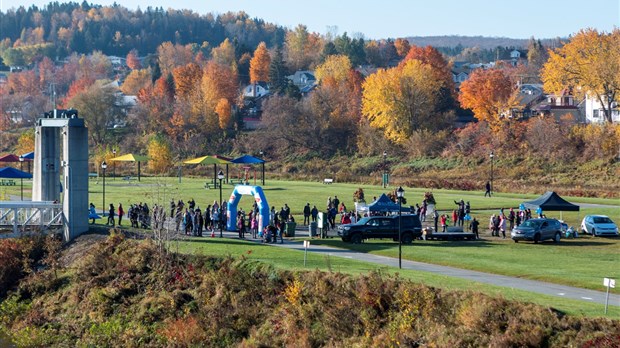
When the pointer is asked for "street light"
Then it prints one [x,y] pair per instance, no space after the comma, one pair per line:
[400,193]
[491,156]
[103,167]
[21,180]
[220,175]
[262,155]
[114,164]
[384,170]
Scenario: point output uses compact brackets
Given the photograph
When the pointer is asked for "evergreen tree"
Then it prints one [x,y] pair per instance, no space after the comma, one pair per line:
[277,73]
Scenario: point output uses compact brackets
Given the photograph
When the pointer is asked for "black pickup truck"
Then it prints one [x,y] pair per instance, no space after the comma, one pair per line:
[382,227]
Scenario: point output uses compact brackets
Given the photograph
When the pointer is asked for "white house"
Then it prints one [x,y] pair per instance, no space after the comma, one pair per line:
[256,90]
[595,113]
[302,78]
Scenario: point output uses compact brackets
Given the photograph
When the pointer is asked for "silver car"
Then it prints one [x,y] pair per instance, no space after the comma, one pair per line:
[538,230]
[599,225]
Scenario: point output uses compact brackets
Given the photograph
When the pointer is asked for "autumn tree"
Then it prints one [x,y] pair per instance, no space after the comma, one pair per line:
[218,81]
[223,111]
[259,64]
[335,69]
[187,79]
[224,54]
[488,93]
[135,81]
[25,142]
[401,100]
[159,153]
[98,105]
[133,62]
[173,55]
[589,63]
[402,47]
[303,49]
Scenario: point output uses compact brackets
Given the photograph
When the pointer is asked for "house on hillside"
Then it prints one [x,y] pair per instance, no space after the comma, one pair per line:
[256,90]
[302,78]
[559,106]
[594,112]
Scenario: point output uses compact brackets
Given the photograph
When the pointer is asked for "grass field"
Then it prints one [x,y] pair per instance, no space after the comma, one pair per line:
[582,262]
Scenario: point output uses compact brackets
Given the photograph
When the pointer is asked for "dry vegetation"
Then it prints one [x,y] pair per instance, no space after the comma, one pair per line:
[125,293]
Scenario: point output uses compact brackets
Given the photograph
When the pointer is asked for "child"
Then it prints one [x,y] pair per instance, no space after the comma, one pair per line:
[444,222]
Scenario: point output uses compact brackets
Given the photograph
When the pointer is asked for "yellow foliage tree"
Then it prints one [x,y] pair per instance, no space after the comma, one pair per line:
[259,64]
[589,63]
[224,54]
[160,156]
[136,80]
[335,67]
[223,111]
[25,142]
[401,100]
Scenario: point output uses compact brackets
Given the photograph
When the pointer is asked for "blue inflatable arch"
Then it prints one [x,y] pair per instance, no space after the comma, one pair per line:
[261,201]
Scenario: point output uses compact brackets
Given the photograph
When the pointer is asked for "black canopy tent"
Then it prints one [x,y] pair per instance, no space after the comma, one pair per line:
[551,201]
[385,204]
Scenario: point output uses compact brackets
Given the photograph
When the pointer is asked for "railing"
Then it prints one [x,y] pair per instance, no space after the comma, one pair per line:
[23,217]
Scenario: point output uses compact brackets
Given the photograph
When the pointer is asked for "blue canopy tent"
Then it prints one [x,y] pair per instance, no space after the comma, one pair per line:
[28,156]
[385,204]
[247,159]
[12,173]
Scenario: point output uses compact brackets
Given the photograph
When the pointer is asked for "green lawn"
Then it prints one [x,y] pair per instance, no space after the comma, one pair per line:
[294,260]
[582,262]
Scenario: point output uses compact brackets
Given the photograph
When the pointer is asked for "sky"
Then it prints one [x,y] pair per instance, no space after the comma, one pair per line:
[519,19]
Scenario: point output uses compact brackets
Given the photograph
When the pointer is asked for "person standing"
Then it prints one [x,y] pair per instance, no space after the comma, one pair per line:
[92,213]
[121,213]
[444,221]
[488,189]
[511,218]
[314,213]
[111,215]
[436,219]
[473,226]
[307,214]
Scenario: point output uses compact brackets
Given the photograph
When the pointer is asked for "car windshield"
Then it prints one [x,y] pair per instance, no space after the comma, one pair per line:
[363,221]
[602,220]
[530,223]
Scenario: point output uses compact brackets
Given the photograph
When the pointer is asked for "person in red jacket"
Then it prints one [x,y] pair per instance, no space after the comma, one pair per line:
[444,221]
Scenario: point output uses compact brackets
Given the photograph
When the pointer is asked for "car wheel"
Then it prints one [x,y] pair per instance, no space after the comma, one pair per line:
[516,241]
[407,238]
[593,233]
[557,237]
[536,238]
[356,238]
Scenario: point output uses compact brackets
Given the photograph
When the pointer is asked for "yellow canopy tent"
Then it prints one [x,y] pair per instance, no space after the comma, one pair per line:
[215,160]
[131,158]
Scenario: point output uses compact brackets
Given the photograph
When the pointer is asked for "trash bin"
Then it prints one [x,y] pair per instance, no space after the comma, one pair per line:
[312,229]
[290,229]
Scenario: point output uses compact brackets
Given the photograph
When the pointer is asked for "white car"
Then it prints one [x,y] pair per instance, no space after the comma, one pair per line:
[599,225]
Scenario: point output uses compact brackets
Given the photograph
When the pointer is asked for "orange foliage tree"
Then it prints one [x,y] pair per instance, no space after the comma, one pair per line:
[259,64]
[133,62]
[488,93]
[431,56]
[187,79]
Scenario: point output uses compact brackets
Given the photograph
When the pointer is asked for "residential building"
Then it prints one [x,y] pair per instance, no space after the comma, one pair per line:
[594,112]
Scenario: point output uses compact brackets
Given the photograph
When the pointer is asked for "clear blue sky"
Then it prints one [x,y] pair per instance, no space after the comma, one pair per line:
[401,18]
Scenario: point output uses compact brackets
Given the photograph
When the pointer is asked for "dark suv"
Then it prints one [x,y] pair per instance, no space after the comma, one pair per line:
[538,230]
[382,227]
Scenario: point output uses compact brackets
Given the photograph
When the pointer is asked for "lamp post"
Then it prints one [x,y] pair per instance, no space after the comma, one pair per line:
[220,176]
[400,193]
[103,167]
[262,155]
[384,170]
[114,164]
[21,180]
[491,156]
